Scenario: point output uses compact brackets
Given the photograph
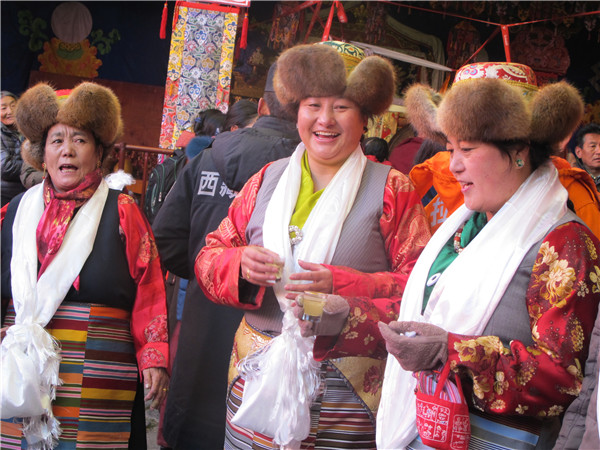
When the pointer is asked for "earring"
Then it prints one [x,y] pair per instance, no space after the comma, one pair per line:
[98,164]
[44,167]
[519,163]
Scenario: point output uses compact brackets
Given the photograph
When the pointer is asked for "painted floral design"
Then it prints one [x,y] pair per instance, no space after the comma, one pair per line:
[373,380]
[542,378]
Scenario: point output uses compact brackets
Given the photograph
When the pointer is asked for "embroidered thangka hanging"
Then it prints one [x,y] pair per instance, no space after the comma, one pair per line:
[200,65]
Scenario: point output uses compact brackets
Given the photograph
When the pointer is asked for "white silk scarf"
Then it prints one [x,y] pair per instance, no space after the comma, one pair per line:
[283,378]
[30,356]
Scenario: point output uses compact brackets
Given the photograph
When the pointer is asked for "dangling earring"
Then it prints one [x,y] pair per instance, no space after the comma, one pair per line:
[44,167]
[98,164]
[519,163]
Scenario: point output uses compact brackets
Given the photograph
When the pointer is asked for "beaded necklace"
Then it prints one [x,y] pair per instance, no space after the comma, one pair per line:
[457,247]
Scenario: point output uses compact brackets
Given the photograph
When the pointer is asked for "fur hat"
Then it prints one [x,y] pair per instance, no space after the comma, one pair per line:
[495,108]
[322,71]
[89,107]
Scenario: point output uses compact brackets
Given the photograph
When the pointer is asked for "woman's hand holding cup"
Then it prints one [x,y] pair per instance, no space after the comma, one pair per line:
[260,266]
[320,314]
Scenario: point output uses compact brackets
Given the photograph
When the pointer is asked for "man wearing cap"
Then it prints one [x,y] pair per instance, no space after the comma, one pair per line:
[199,200]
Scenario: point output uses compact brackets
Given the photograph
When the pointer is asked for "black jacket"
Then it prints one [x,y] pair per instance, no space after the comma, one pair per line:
[195,206]
[11,162]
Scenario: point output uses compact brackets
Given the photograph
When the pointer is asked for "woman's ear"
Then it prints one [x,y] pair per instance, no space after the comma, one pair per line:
[522,154]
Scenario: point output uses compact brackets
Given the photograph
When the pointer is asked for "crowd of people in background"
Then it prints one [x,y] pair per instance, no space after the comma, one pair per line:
[470,244]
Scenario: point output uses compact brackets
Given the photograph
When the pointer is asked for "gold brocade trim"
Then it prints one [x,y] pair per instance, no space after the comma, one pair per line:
[364,375]
[247,340]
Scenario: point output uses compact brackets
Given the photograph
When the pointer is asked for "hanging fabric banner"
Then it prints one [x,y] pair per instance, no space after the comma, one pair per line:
[200,66]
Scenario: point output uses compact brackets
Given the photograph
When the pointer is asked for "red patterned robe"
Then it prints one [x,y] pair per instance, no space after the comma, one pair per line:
[539,380]
[102,347]
[405,232]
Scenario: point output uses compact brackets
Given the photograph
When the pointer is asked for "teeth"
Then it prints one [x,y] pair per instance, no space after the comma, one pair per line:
[323,133]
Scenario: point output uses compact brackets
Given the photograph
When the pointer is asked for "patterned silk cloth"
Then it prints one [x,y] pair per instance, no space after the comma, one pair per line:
[200,66]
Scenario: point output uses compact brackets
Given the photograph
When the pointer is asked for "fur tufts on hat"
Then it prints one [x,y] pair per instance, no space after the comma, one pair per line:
[489,109]
[89,107]
[319,71]
[421,107]
[309,71]
[557,109]
[94,108]
[484,109]
[371,85]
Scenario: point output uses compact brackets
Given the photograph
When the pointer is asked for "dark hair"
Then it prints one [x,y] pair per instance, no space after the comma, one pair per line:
[377,147]
[209,122]
[241,114]
[539,152]
[276,109]
[427,149]
[590,128]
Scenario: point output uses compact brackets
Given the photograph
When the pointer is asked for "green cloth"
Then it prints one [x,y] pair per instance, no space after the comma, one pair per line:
[447,254]
[307,199]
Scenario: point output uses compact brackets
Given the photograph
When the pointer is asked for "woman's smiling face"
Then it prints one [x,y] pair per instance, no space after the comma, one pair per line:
[70,154]
[330,128]
[7,110]
[488,177]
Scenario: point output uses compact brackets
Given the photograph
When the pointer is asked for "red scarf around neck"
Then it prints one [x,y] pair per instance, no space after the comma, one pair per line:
[60,209]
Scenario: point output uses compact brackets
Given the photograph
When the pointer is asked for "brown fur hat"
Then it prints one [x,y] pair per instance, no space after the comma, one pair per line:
[320,71]
[90,107]
[484,109]
[490,109]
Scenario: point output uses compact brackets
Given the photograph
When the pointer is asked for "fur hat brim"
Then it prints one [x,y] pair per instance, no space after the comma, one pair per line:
[489,109]
[89,107]
[484,109]
[309,71]
[319,71]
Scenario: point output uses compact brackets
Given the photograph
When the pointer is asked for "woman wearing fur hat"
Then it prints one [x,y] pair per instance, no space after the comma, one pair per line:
[339,224]
[506,290]
[434,175]
[88,302]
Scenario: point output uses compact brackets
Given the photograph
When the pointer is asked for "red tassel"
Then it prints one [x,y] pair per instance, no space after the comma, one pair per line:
[341,13]
[244,36]
[163,22]
[327,29]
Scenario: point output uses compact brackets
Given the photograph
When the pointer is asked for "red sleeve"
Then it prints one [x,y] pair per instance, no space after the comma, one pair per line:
[217,265]
[149,315]
[405,231]
[2,214]
[562,300]
[360,336]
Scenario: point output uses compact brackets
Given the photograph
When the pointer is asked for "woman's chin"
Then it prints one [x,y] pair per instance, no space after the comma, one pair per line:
[64,184]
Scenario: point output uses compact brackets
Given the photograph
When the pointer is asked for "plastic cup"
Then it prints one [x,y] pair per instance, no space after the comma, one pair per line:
[312,304]
[279,270]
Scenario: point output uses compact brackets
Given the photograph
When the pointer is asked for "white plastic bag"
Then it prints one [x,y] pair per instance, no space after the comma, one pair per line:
[281,382]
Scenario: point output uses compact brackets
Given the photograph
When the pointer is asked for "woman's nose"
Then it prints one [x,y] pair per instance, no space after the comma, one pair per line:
[456,165]
[67,148]
[326,116]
